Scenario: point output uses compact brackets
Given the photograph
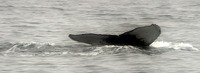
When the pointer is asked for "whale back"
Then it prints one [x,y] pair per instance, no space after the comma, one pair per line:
[146,34]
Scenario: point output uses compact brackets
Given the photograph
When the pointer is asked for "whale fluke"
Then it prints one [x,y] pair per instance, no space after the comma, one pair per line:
[141,36]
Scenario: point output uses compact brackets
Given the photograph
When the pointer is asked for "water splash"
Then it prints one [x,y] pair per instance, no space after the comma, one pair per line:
[175,46]
[31,49]
[31,46]
[52,49]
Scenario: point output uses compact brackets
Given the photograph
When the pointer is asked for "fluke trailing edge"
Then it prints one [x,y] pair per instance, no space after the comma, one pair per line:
[141,36]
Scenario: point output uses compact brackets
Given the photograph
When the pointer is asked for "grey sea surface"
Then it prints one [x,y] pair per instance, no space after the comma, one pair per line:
[34,36]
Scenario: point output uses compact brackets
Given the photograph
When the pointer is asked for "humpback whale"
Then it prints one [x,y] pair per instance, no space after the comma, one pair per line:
[141,37]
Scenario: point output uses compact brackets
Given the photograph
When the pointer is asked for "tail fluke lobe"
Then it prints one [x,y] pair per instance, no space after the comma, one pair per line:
[93,39]
[146,34]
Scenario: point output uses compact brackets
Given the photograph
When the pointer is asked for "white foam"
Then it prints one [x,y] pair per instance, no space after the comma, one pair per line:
[23,46]
[176,46]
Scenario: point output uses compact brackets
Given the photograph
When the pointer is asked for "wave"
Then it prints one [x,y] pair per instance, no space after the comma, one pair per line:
[52,49]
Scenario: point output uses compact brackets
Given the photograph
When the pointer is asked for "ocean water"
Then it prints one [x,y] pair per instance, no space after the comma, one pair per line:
[34,36]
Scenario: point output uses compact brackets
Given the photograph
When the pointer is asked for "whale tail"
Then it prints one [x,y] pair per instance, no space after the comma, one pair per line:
[141,36]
